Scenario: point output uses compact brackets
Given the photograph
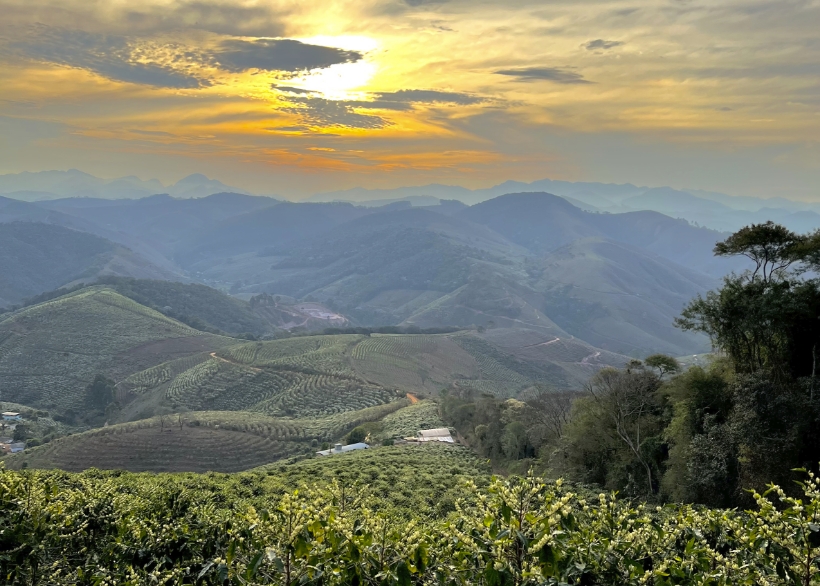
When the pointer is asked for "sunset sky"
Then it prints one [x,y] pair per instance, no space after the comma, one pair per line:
[295,98]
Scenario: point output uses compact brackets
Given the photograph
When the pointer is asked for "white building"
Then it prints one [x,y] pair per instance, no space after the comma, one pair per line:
[340,449]
[12,416]
[440,434]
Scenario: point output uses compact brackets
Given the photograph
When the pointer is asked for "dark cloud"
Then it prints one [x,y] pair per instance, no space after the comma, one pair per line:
[231,19]
[601,45]
[428,97]
[322,112]
[279,55]
[289,89]
[106,55]
[554,74]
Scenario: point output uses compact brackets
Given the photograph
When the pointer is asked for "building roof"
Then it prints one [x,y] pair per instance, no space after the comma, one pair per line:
[340,449]
[10,414]
[438,432]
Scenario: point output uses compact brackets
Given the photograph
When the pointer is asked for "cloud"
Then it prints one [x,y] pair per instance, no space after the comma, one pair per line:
[279,55]
[289,89]
[554,74]
[428,97]
[110,56]
[151,132]
[601,45]
[321,112]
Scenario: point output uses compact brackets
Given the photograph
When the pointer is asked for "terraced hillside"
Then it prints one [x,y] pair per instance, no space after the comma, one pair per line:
[316,376]
[50,352]
[196,442]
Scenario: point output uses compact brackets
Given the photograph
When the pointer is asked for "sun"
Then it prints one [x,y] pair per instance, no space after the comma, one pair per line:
[342,81]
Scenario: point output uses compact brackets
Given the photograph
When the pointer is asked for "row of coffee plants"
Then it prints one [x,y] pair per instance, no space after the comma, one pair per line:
[94,528]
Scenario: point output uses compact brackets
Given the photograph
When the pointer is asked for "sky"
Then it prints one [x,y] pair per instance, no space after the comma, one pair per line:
[294,98]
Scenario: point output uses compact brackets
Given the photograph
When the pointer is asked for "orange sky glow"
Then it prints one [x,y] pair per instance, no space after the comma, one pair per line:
[293,98]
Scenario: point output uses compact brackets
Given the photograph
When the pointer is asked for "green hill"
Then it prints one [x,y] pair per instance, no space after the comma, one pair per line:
[198,441]
[50,352]
[198,306]
[320,375]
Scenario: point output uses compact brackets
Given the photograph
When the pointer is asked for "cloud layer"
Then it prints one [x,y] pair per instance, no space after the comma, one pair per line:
[717,95]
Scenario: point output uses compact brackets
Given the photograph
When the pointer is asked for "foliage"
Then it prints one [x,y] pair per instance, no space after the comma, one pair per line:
[196,441]
[198,306]
[103,528]
[50,352]
[100,392]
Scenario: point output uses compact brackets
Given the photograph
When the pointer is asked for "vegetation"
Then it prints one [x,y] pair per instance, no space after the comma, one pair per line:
[125,529]
[51,352]
[40,257]
[196,442]
[198,306]
[708,434]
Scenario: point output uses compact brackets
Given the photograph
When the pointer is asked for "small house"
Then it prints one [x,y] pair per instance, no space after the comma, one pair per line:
[340,449]
[440,434]
[12,416]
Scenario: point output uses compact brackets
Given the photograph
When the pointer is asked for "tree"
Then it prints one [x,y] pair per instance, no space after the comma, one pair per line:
[548,413]
[357,435]
[100,392]
[663,364]
[772,247]
[629,399]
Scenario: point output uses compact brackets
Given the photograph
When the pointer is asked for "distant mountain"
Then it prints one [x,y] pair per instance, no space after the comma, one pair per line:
[542,223]
[160,222]
[36,257]
[47,185]
[263,228]
[619,297]
[488,266]
[717,211]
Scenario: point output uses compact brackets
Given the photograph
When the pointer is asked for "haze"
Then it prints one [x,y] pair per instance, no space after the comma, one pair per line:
[295,98]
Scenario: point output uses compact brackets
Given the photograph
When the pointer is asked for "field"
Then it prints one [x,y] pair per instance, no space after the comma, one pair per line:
[50,352]
[315,376]
[196,442]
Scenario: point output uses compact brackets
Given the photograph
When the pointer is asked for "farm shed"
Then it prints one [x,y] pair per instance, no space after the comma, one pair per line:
[12,416]
[340,449]
[440,434]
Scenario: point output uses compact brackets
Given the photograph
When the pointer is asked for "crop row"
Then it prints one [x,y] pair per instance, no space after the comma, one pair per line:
[389,345]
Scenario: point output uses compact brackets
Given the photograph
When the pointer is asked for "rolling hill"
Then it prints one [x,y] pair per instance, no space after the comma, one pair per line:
[620,298]
[50,352]
[196,442]
[429,266]
[37,257]
[318,376]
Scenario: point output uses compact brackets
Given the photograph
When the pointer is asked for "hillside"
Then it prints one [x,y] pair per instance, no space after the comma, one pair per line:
[198,306]
[318,376]
[619,298]
[484,265]
[196,442]
[50,352]
[542,223]
[37,257]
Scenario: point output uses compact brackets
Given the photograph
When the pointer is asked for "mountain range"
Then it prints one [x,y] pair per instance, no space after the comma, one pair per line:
[528,261]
